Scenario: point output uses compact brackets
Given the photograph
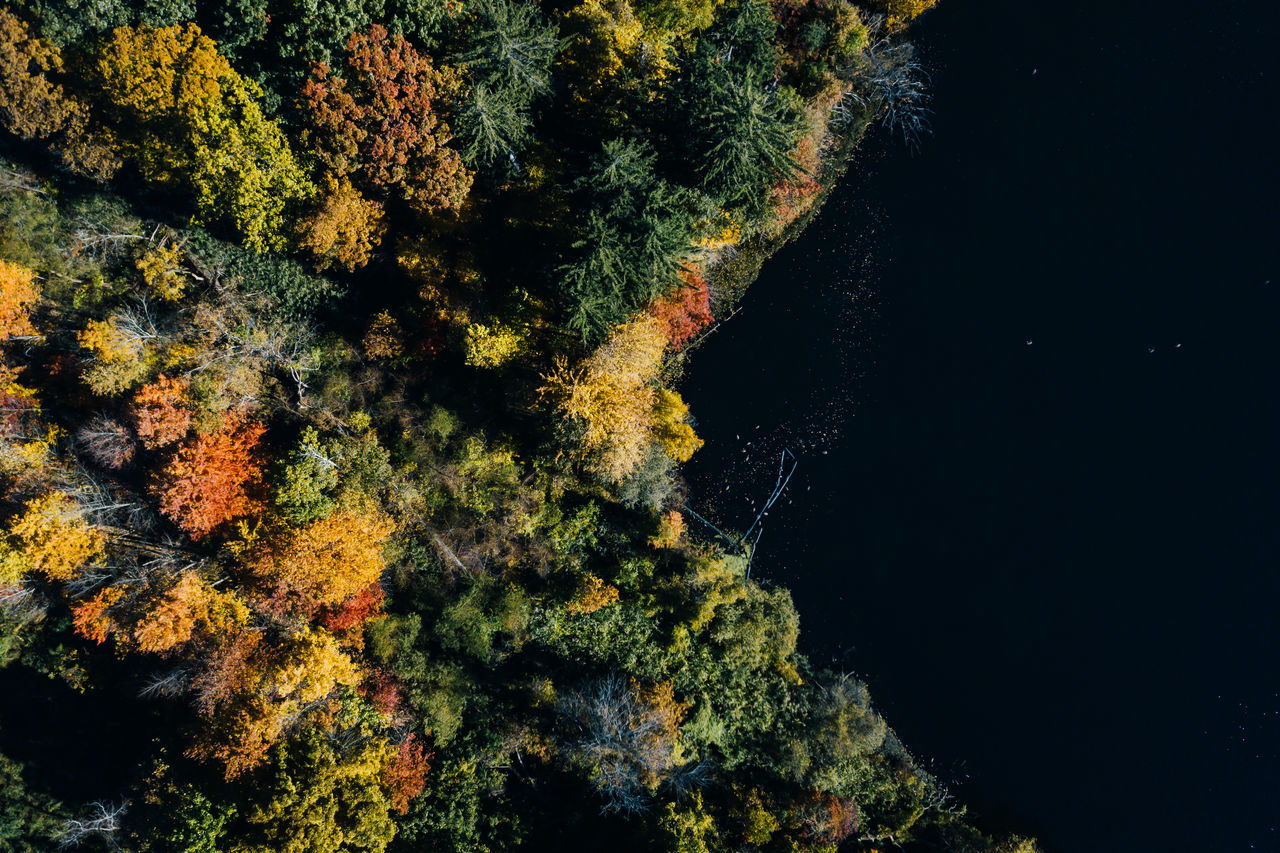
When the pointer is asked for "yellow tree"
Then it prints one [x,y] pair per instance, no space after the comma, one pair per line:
[51,537]
[613,399]
[187,117]
[344,228]
[329,560]
[610,396]
[18,292]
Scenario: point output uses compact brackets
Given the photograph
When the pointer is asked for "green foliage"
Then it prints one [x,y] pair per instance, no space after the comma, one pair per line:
[69,21]
[740,128]
[636,228]
[508,52]
[29,821]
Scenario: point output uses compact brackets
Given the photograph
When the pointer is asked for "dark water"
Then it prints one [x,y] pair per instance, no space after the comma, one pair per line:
[1056,563]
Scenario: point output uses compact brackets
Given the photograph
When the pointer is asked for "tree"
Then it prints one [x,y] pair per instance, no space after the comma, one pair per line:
[609,396]
[635,230]
[405,775]
[740,128]
[160,412]
[107,442]
[170,621]
[901,12]
[509,48]
[51,537]
[382,121]
[624,737]
[35,107]
[686,310]
[29,820]
[186,117]
[322,799]
[344,228]
[670,427]
[329,560]
[18,292]
[213,479]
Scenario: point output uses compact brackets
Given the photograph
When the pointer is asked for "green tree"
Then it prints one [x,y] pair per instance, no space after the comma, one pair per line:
[509,48]
[321,798]
[29,821]
[635,230]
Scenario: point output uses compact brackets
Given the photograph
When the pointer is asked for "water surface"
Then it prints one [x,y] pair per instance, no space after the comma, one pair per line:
[1030,372]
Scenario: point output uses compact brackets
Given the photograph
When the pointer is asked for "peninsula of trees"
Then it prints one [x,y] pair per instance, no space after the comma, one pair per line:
[339,495]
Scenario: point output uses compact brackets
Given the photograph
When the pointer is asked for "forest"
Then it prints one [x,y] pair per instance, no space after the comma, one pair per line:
[340,435]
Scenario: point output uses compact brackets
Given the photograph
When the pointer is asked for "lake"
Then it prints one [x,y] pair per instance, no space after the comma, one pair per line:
[1029,372]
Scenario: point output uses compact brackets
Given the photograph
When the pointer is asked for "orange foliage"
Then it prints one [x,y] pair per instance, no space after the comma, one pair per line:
[90,617]
[329,560]
[213,479]
[355,611]
[593,595]
[17,293]
[670,530]
[173,620]
[159,412]
[405,775]
[383,121]
[686,311]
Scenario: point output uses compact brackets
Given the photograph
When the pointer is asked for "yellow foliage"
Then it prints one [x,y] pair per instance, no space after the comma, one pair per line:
[676,437]
[611,395]
[110,342]
[18,292]
[593,595]
[194,120]
[54,538]
[491,346]
[331,559]
[613,48]
[344,228]
[310,668]
[171,622]
[161,269]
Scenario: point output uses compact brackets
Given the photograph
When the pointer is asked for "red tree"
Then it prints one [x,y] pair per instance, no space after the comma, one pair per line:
[213,479]
[405,775]
[685,312]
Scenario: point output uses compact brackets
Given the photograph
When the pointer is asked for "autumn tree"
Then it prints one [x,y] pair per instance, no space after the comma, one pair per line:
[322,798]
[34,106]
[329,560]
[902,12]
[213,479]
[671,427]
[18,292]
[614,405]
[160,412]
[686,310]
[186,117]
[170,621]
[405,775]
[52,537]
[381,122]
[344,228]
[249,690]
